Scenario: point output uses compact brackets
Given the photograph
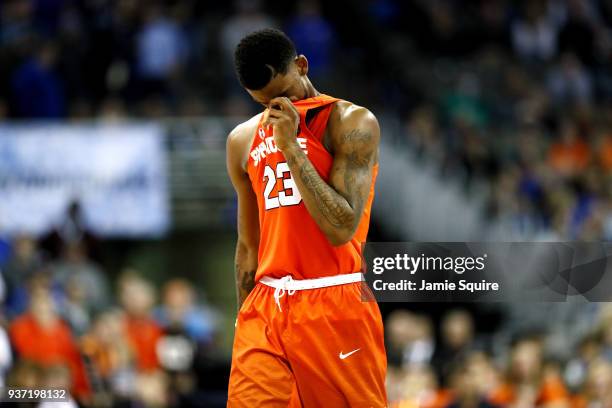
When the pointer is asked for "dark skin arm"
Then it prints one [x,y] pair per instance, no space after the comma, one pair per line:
[247,244]
[337,205]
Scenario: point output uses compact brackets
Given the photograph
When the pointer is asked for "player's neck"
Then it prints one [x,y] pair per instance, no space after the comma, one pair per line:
[310,89]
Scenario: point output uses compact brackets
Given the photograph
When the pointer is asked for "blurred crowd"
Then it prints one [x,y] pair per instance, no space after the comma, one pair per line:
[458,365]
[513,94]
[517,98]
[71,59]
[510,97]
[111,342]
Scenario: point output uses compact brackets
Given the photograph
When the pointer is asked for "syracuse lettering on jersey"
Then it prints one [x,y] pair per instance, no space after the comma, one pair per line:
[268,146]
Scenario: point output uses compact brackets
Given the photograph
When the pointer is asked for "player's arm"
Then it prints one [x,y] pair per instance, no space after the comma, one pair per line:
[247,244]
[336,207]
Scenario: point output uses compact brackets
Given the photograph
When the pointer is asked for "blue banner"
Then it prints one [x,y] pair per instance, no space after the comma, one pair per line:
[116,172]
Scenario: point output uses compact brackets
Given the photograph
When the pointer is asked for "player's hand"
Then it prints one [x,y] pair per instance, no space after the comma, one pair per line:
[284,119]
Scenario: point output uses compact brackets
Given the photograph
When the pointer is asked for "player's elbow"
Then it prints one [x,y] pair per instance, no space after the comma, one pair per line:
[340,237]
[246,253]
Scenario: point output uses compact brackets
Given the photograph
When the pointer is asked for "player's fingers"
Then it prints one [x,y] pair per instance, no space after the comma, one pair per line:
[276,114]
[275,103]
[286,106]
[289,107]
[282,104]
[270,121]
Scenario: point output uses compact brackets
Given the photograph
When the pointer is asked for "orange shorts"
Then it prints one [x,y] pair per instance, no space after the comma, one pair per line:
[325,348]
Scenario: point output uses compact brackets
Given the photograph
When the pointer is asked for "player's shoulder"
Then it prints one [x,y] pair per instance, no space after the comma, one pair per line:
[243,133]
[346,114]
[246,128]
[348,120]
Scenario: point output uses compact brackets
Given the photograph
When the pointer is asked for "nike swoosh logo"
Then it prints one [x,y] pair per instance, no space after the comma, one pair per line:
[343,356]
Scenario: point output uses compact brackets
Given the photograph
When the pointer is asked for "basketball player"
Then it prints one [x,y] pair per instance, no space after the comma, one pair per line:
[304,171]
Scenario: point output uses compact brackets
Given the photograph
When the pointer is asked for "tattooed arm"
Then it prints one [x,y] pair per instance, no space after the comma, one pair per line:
[336,205]
[248,224]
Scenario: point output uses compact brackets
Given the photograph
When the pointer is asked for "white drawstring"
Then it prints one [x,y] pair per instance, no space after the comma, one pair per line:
[280,290]
[288,285]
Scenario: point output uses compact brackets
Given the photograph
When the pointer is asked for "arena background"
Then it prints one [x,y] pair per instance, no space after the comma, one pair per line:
[117,219]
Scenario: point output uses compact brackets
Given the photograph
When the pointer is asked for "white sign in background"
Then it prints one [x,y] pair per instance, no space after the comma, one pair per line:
[117,173]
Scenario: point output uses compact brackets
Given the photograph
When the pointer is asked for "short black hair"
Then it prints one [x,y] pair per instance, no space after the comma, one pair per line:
[259,51]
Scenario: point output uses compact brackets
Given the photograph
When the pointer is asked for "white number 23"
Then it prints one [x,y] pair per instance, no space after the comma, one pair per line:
[285,197]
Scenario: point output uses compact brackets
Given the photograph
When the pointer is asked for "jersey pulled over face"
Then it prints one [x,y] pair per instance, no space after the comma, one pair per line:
[291,242]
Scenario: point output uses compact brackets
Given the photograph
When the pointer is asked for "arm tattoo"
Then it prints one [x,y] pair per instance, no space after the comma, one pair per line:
[245,282]
[333,210]
[357,165]
[341,211]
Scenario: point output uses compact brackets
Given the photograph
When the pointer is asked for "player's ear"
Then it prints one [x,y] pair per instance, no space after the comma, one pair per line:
[302,64]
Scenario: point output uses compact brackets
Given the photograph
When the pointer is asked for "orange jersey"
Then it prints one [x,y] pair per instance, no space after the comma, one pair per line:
[49,346]
[291,243]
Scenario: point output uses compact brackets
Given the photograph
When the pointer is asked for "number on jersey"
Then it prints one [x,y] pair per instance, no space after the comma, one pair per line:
[289,195]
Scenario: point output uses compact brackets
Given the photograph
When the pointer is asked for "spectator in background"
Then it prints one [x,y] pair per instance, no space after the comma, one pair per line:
[313,36]
[248,17]
[36,91]
[531,200]
[589,211]
[492,29]
[24,374]
[424,134]
[137,298]
[84,283]
[179,312]
[576,369]
[469,379]
[16,23]
[571,154]
[457,341]
[110,357]
[417,387]
[597,390]
[464,104]
[75,308]
[152,390]
[71,229]
[607,223]
[409,339]
[443,34]
[534,34]
[577,35]
[569,83]
[186,349]
[604,331]
[603,145]
[24,262]
[112,109]
[21,297]
[5,249]
[40,336]
[529,382]
[162,48]
[57,376]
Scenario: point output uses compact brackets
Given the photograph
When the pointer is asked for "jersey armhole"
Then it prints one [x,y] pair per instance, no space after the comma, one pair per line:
[317,123]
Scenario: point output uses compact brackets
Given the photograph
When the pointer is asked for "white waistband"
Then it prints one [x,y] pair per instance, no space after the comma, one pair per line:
[288,283]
